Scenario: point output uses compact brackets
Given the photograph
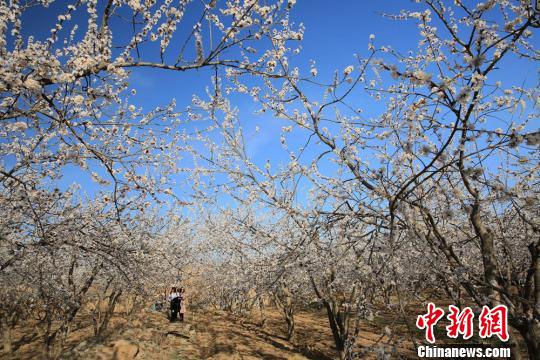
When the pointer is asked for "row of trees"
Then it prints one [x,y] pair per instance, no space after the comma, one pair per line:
[435,194]
[437,191]
[67,108]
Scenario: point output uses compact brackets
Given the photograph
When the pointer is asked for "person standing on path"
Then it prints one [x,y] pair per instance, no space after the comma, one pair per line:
[175,299]
[182,304]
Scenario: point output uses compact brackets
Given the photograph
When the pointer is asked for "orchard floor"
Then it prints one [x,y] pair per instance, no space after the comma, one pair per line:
[216,335]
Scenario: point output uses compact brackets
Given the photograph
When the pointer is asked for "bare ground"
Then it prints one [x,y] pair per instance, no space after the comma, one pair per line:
[212,335]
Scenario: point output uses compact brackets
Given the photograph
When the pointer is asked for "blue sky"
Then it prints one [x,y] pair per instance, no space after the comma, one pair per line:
[335,31]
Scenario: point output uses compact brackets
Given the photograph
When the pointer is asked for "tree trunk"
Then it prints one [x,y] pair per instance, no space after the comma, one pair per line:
[515,351]
[104,323]
[531,335]
[338,325]
[283,300]
[488,251]
[289,318]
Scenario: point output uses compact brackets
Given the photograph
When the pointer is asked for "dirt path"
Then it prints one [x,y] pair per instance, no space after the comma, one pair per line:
[213,335]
